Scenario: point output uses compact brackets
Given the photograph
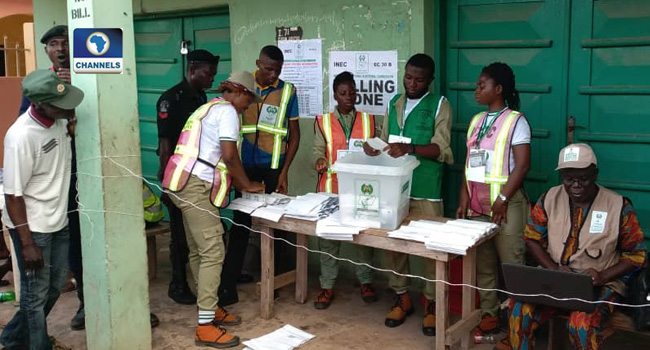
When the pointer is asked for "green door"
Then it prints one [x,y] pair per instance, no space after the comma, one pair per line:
[479,32]
[584,59]
[609,93]
[160,65]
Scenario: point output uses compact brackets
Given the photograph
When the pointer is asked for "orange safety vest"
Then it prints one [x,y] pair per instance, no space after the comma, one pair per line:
[180,165]
[335,139]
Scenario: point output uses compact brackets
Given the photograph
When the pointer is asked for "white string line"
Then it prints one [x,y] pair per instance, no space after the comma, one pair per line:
[368,265]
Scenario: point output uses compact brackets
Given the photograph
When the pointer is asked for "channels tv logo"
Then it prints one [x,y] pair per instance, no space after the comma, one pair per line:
[97,50]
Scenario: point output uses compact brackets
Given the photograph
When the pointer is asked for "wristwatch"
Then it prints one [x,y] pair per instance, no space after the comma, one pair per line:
[503,198]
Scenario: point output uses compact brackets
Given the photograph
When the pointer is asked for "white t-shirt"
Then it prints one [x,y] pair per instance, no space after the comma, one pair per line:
[520,136]
[221,124]
[410,105]
[37,162]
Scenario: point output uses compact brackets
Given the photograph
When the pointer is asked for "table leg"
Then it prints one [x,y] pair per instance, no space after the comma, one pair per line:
[301,269]
[268,271]
[469,294]
[442,300]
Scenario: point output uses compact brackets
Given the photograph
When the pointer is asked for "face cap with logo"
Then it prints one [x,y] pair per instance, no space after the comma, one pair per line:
[245,81]
[44,86]
[576,156]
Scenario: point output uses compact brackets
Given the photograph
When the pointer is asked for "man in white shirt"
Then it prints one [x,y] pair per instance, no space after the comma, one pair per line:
[37,162]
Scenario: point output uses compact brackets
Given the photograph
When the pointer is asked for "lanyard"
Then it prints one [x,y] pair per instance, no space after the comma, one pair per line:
[348,132]
[483,131]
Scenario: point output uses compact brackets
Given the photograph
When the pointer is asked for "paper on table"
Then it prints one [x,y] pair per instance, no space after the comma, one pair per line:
[244,205]
[271,213]
[377,143]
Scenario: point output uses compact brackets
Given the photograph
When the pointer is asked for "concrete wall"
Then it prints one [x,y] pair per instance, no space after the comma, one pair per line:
[342,25]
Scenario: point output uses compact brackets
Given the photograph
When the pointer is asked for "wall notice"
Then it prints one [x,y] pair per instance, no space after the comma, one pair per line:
[375,73]
[303,67]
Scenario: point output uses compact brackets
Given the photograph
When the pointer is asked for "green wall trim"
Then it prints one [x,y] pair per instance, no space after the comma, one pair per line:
[615,90]
[531,88]
[500,44]
[616,42]
[155,60]
[222,10]
[614,138]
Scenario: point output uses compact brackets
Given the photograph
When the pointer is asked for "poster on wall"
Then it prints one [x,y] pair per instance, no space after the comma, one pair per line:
[303,67]
[375,73]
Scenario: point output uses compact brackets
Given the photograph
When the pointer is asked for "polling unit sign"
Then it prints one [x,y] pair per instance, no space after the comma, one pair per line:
[375,73]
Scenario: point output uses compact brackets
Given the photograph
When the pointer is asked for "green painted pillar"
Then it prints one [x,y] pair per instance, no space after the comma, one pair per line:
[113,240]
[47,14]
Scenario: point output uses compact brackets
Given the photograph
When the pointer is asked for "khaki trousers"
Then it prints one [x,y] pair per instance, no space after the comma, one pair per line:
[204,238]
[400,262]
[506,247]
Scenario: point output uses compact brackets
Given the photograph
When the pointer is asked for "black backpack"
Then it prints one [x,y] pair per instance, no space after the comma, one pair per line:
[638,294]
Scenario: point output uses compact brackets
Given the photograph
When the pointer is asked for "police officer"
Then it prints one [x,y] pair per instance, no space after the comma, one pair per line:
[174,108]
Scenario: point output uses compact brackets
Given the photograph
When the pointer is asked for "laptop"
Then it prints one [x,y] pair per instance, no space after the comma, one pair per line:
[521,279]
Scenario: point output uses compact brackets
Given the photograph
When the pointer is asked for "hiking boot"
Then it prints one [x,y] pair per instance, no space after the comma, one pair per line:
[78,322]
[224,318]
[429,321]
[403,307]
[489,324]
[214,336]
[324,299]
[503,344]
[181,293]
[368,293]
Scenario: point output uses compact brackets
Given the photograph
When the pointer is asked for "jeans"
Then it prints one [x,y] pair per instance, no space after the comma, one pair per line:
[39,291]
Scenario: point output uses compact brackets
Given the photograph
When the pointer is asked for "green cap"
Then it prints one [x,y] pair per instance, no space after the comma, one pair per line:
[43,85]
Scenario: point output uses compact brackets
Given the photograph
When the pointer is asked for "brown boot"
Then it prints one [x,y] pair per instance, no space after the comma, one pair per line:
[324,299]
[489,324]
[224,318]
[214,336]
[403,307]
[368,293]
[429,321]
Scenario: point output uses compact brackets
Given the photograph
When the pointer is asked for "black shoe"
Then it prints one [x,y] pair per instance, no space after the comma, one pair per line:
[181,294]
[78,322]
[153,319]
[244,278]
[228,297]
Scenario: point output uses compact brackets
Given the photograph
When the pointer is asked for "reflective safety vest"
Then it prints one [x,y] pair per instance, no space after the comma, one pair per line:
[251,122]
[497,140]
[335,138]
[180,165]
[153,211]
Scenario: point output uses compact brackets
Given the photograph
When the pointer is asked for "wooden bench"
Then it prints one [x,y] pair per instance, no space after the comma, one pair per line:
[152,250]
[618,322]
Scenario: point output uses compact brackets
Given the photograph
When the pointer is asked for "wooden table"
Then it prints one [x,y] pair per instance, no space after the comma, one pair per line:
[446,335]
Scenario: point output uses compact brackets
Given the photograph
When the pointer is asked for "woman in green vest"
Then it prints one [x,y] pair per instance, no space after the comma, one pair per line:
[498,159]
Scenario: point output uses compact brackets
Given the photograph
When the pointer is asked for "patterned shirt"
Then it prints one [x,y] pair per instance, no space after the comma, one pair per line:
[630,240]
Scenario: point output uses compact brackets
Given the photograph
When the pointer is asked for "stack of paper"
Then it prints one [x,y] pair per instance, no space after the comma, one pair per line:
[331,228]
[454,236]
[312,206]
[285,338]
[245,205]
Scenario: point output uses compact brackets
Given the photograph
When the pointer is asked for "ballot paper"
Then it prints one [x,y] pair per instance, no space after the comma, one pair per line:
[312,206]
[331,228]
[377,143]
[285,338]
[245,205]
[270,212]
[453,236]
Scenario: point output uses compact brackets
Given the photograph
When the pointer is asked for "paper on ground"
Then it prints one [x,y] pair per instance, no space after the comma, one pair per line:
[285,338]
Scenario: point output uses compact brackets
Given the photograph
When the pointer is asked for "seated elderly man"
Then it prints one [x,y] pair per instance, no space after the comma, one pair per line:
[582,227]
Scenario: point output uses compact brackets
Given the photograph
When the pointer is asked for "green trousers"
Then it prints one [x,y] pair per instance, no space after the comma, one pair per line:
[329,267]
[506,247]
[399,262]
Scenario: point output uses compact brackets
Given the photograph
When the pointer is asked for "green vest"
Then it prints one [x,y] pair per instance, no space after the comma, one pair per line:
[420,127]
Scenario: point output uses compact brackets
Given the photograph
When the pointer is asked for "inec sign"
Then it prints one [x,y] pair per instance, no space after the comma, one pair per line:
[97,50]
[375,73]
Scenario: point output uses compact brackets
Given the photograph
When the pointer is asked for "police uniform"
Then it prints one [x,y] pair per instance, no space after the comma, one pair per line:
[173,109]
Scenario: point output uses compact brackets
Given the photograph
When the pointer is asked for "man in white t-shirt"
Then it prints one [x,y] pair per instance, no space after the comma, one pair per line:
[201,185]
[37,162]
